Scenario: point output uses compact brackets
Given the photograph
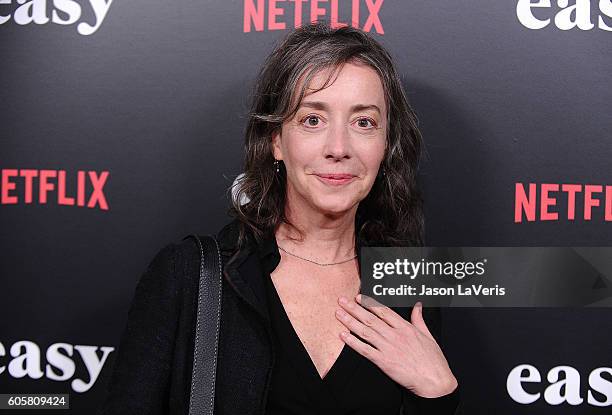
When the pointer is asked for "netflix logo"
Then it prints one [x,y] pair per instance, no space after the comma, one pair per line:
[552,201]
[260,15]
[82,189]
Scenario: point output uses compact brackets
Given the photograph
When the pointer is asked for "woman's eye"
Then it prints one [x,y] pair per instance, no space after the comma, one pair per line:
[363,122]
[311,120]
[315,120]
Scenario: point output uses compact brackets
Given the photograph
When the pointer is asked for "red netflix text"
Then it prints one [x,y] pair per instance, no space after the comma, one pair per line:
[84,190]
[550,201]
[275,15]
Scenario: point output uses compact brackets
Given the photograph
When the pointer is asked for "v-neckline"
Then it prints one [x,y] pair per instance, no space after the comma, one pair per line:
[326,389]
[297,342]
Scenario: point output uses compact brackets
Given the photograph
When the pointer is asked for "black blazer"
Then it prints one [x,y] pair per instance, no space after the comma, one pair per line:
[153,364]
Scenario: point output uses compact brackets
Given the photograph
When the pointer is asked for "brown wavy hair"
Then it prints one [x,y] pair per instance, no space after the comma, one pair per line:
[391,214]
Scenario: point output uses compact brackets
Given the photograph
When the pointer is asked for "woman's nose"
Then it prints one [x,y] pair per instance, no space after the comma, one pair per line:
[338,142]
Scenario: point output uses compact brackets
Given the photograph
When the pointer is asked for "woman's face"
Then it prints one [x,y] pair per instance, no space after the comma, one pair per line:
[333,146]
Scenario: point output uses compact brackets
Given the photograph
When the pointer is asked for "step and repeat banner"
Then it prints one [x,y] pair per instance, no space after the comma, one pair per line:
[122,127]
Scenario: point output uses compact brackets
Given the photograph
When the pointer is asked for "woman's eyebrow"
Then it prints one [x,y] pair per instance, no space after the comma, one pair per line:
[318,105]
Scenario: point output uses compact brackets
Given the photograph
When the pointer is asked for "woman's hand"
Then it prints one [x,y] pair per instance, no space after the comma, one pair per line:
[405,351]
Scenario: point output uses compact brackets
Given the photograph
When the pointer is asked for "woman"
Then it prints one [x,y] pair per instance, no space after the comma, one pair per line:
[332,149]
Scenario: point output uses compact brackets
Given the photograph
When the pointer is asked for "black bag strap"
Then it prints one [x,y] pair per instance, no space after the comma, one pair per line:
[202,397]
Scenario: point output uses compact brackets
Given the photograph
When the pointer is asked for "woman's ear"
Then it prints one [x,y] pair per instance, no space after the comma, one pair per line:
[276,145]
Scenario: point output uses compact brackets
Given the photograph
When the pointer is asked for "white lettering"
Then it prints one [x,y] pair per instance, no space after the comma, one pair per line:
[63,12]
[33,11]
[26,364]
[60,361]
[562,388]
[568,17]
[93,364]
[582,11]
[527,19]
[4,19]
[605,6]
[514,384]
[100,8]
[71,8]
[571,384]
[601,385]
[2,353]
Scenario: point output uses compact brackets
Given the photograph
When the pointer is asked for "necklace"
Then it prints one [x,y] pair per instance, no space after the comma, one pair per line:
[314,262]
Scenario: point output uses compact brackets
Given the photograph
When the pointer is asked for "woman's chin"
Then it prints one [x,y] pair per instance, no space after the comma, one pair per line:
[334,209]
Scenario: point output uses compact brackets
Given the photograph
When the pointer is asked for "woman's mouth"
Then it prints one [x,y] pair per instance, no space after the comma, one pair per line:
[336,179]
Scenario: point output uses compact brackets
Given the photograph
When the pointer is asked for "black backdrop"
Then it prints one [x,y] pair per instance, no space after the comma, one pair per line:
[154,102]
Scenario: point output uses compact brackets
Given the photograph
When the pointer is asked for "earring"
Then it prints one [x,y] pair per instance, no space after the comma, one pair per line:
[276,165]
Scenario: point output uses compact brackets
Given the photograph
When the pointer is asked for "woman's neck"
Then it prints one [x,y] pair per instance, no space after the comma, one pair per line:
[324,238]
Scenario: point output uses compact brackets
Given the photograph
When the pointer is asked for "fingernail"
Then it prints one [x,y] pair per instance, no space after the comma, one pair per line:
[343,300]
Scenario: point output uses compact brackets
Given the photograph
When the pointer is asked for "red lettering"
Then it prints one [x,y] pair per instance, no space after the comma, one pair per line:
[546,201]
[61,190]
[44,186]
[608,203]
[97,197]
[522,203]
[373,19]
[315,10]
[7,185]
[60,186]
[526,201]
[589,202]
[29,175]
[355,14]
[297,20]
[334,16]
[571,190]
[81,188]
[253,14]
[274,12]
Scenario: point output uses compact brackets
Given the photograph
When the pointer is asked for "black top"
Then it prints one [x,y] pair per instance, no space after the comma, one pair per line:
[154,362]
[353,385]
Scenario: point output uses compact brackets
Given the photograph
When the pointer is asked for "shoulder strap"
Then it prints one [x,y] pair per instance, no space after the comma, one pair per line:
[202,396]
